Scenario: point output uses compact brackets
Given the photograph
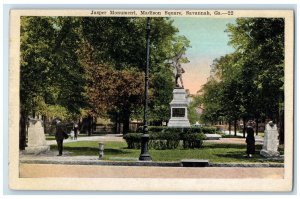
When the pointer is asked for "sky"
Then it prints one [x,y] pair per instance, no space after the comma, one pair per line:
[208,41]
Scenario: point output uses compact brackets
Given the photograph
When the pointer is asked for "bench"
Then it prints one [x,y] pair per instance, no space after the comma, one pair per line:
[194,163]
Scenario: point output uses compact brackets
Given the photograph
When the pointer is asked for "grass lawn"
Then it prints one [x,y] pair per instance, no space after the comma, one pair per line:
[231,136]
[211,151]
[52,137]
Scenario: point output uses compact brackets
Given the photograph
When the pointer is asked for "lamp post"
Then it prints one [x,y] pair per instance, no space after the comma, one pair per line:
[145,156]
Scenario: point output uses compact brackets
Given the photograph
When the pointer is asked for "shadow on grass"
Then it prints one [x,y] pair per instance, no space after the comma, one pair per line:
[242,157]
[227,146]
[238,155]
[92,150]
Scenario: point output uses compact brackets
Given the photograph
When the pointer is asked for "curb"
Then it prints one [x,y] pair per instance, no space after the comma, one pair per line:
[148,163]
[253,165]
[104,163]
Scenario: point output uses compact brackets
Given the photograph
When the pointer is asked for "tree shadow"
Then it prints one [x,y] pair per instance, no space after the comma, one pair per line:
[227,146]
[237,155]
[93,150]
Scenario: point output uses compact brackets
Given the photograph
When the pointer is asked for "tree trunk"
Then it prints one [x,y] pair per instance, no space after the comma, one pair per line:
[281,127]
[229,127]
[126,121]
[256,130]
[94,124]
[44,118]
[116,127]
[119,128]
[89,126]
[244,127]
[79,125]
[22,132]
[235,122]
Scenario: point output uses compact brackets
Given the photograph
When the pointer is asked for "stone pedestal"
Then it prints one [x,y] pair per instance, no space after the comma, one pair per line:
[36,138]
[271,142]
[179,113]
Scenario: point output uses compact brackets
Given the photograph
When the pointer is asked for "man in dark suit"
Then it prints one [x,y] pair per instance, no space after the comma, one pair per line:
[60,135]
[250,139]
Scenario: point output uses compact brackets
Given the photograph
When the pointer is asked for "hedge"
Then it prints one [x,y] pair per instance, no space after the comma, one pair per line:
[164,140]
[168,139]
[133,140]
[193,140]
[209,130]
[173,129]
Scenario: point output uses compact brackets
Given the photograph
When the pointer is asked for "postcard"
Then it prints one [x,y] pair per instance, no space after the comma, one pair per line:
[151,100]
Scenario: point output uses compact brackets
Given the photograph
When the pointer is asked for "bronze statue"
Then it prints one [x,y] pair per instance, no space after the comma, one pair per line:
[179,69]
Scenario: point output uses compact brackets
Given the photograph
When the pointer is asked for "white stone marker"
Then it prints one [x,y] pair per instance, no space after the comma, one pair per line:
[179,113]
[36,138]
[271,142]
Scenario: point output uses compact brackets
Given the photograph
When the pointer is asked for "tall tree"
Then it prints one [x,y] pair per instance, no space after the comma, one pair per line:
[51,80]
[261,43]
[121,44]
[211,93]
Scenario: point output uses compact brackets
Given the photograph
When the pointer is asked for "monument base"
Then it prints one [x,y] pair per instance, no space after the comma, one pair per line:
[269,154]
[179,112]
[177,122]
[36,149]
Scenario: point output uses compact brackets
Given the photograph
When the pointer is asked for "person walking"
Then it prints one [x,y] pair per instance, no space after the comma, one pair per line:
[75,128]
[250,140]
[60,135]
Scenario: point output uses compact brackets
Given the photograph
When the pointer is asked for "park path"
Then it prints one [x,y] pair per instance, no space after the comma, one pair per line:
[94,171]
[107,137]
[119,138]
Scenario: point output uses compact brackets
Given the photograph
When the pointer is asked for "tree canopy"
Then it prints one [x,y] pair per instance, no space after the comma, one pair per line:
[248,82]
[95,65]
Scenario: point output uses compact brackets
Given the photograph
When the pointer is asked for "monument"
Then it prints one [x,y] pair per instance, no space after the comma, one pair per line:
[179,104]
[271,142]
[36,138]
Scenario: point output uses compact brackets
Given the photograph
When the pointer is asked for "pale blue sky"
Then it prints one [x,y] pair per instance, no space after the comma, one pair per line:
[208,41]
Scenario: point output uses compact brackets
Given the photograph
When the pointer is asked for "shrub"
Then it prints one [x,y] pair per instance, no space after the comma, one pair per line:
[167,138]
[164,140]
[133,140]
[152,129]
[193,130]
[193,140]
[209,130]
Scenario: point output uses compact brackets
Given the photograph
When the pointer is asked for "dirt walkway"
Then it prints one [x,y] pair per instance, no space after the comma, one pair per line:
[94,171]
[108,137]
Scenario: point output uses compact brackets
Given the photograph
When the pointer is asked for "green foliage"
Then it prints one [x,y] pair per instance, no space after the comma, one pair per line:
[167,138]
[171,129]
[161,88]
[50,70]
[52,111]
[192,114]
[164,140]
[260,45]
[208,130]
[248,84]
[117,44]
[193,140]
[222,153]
[133,140]
[210,99]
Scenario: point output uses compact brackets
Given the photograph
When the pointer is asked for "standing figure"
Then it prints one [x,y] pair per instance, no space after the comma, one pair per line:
[250,140]
[179,69]
[60,135]
[75,128]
